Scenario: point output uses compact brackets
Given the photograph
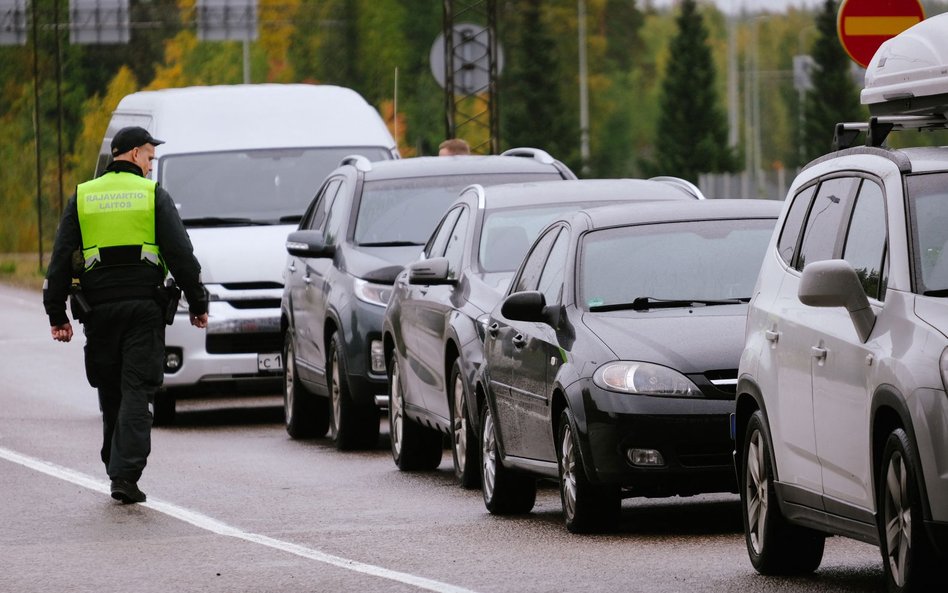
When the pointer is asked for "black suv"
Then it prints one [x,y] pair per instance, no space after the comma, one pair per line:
[366,222]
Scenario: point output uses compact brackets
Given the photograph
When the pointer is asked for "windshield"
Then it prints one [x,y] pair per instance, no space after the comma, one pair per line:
[257,185]
[507,233]
[406,211]
[928,204]
[708,260]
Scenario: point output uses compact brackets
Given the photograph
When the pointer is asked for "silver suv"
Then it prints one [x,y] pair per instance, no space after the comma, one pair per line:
[841,423]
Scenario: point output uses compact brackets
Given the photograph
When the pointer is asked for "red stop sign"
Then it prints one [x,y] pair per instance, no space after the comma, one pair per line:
[863,25]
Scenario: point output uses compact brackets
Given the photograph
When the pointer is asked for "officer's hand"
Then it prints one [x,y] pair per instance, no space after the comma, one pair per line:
[62,333]
[199,320]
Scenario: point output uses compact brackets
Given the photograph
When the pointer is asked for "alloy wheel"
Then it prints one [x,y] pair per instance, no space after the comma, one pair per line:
[489,455]
[335,394]
[898,518]
[756,484]
[289,377]
[460,424]
[397,410]
[568,471]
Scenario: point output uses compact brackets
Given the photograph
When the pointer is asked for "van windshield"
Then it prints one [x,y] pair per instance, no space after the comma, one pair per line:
[406,211]
[253,186]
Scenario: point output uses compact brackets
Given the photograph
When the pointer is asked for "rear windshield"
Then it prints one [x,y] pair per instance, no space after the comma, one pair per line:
[263,186]
[406,211]
[928,209]
[709,259]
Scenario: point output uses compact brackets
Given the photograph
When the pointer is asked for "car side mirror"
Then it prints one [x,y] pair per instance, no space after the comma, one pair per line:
[529,305]
[429,272]
[309,244]
[834,283]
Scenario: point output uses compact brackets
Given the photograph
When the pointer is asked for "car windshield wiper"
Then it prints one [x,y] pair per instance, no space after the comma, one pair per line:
[644,303]
[222,221]
[291,218]
[391,244]
[936,293]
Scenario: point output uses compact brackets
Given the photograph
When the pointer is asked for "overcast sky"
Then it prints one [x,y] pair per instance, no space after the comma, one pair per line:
[750,5]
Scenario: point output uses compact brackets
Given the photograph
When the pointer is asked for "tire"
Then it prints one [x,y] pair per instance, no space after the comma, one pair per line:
[163,410]
[351,426]
[414,447]
[907,554]
[775,546]
[306,415]
[464,445]
[505,492]
[587,507]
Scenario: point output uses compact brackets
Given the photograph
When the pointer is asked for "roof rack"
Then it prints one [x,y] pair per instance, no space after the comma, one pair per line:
[683,184]
[358,161]
[878,128]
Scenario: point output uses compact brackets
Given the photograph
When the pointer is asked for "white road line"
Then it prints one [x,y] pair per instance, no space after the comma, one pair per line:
[215,526]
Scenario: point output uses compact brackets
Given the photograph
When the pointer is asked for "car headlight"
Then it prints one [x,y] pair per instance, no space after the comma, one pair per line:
[371,293]
[644,378]
[481,324]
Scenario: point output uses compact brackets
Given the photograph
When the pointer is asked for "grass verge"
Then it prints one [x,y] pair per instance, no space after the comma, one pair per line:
[23,270]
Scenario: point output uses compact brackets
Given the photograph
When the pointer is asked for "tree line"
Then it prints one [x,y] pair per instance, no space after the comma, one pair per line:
[657,79]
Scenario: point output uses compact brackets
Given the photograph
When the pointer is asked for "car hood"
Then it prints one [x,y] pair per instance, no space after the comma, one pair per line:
[689,340]
[241,253]
[378,264]
[933,311]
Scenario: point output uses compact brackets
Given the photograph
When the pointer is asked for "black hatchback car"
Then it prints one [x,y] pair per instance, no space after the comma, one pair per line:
[366,222]
[611,364]
[434,324]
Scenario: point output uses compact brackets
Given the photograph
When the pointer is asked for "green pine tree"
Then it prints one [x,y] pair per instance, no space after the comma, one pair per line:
[833,97]
[692,130]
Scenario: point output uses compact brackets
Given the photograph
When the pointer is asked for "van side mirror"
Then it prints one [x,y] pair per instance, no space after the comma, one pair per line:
[529,305]
[834,283]
[428,272]
[309,244]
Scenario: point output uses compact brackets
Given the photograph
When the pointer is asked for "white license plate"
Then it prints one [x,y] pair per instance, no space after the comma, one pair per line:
[270,362]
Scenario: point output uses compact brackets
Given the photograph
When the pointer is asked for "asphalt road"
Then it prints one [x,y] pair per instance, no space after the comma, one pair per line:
[235,505]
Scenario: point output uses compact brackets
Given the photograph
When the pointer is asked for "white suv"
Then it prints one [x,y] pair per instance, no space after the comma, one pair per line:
[841,419]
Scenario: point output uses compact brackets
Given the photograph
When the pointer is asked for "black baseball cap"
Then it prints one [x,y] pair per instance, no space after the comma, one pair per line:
[132,137]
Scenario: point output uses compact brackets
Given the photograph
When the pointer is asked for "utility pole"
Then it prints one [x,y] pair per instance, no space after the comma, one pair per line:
[583,90]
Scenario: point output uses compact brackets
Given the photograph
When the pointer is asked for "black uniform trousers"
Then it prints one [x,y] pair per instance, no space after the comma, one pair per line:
[124,354]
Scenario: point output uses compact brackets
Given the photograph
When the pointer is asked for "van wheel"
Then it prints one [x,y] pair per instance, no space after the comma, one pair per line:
[587,507]
[164,408]
[351,426]
[305,414]
[414,447]
[464,445]
[505,492]
[775,546]
[907,554]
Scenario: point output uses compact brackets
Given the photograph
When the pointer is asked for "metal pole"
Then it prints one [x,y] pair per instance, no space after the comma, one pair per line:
[36,134]
[59,104]
[583,90]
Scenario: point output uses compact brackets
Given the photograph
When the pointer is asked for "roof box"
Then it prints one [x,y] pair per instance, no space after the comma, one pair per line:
[908,75]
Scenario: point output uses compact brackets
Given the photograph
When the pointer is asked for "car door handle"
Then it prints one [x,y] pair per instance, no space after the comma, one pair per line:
[493,328]
[292,267]
[772,336]
[307,279]
[519,341]
[818,352]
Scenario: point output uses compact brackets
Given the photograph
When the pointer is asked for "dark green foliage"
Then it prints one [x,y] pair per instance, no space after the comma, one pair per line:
[532,109]
[692,131]
[834,97]
[621,24]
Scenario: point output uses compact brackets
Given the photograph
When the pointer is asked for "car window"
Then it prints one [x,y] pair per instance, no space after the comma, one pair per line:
[436,244]
[928,225]
[790,234]
[551,280]
[454,250]
[533,265]
[823,222]
[866,238]
[336,216]
[323,204]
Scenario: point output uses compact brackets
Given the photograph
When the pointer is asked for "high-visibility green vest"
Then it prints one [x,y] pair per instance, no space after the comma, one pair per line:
[117,209]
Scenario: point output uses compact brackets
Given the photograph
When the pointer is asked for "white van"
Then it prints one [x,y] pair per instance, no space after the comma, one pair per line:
[242,163]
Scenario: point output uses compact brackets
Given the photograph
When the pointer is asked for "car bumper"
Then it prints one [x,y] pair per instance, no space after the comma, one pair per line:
[227,352]
[691,435]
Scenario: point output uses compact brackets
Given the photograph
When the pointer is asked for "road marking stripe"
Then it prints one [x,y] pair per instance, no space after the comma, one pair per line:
[877,25]
[214,526]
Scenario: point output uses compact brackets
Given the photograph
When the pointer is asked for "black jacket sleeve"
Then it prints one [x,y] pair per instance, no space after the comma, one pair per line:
[177,251]
[60,272]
